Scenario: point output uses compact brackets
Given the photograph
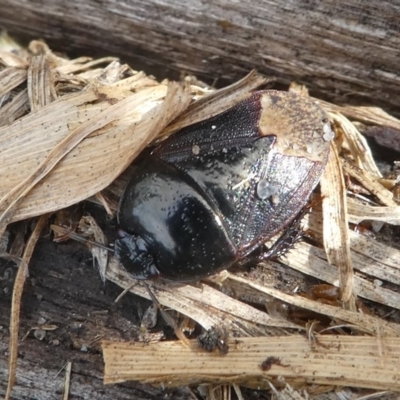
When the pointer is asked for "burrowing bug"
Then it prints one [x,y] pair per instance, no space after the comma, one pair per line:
[210,195]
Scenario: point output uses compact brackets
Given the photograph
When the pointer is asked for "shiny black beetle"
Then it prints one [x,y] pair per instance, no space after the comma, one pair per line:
[213,193]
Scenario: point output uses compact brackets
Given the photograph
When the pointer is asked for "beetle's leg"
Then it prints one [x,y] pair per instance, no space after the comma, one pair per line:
[133,254]
[287,240]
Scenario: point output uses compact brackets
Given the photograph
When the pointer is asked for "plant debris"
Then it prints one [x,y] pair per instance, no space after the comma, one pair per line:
[68,131]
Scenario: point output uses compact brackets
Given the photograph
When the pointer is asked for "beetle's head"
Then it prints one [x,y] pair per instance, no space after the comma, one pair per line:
[132,252]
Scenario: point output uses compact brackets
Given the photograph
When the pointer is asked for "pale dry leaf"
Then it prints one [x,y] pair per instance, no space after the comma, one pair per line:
[370,183]
[84,64]
[11,53]
[12,60]
[312,261]
[369,255]
[335,223]
[357,144]
[388,183]
[10,78]
[299,89]
[15,108]
[205,305]
[359,361]
[359,212]
[107,204]
[136,82]
[369,115]
[41,90]
[362,322]
[115,134]
[386,256]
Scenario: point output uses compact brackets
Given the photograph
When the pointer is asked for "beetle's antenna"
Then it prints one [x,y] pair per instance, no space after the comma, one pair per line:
[167,318]
[79,238]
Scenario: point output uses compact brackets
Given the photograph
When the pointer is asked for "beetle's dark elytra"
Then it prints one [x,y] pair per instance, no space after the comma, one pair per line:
[213,193]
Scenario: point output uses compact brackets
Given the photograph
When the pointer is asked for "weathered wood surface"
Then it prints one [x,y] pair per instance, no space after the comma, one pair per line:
[64,290]
[346,51]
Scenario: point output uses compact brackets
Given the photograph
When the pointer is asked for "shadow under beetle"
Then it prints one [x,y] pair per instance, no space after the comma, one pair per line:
[210,195]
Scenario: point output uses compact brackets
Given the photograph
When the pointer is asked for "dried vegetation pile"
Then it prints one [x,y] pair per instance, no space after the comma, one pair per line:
[69,128]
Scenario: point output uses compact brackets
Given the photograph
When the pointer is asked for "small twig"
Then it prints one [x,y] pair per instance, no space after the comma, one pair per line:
[16,301]
[67,380]
[124,292]
[78,238]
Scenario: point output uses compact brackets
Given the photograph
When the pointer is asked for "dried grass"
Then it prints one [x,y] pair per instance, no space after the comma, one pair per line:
[76,140]
[341,360]
[85,126]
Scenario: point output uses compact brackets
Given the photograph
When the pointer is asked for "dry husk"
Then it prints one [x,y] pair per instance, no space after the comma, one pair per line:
[85,126]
